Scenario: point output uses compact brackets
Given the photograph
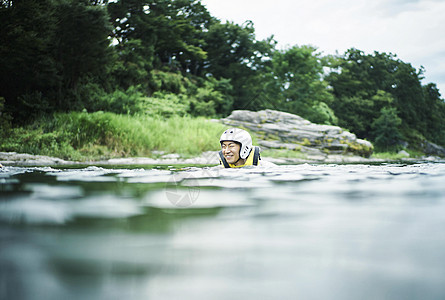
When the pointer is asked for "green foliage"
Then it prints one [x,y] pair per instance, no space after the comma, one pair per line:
[295,84]
[171,33]
[47,47]
[133,62]
[173,59]
[360,149]
[139,135]
[5,119]
[233,53]
[230,47]
[356,113]
[120,102]
[321,113]
[165,105]
[389,156]
[103,135]
[81,40]
[392,155]
[36,139]
[365,84]
[26,69]
[219,91]
[169,82]
[209,101]
[386,129]
[434,111]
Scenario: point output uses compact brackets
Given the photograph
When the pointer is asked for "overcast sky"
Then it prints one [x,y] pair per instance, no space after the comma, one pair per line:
[414,30]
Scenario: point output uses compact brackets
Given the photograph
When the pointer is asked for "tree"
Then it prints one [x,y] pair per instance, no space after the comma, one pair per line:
[435,112]
[182,36]
[409,97]
[171,33]
[385,129]
[233,53]
[294,83]
[357,113]
[47,48]
[358,80]
[80,48]
[27,70]
[132,65]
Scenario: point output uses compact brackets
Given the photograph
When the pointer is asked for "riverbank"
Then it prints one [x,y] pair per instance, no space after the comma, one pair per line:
[205,159]
[109,139]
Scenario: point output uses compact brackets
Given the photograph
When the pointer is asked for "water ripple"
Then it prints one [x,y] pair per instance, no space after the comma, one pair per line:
[287,232]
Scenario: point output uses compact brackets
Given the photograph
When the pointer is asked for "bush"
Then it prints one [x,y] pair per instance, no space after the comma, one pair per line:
[169,82]
[38,142]
[322,114]
[120,102]
[385,129]
[165,105]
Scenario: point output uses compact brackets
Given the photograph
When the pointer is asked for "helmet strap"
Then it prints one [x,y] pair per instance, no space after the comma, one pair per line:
[239,156]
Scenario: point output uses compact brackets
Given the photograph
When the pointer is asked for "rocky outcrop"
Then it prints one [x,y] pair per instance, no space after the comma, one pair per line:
[281,130]
[23,159]
[432,149]
[28,160]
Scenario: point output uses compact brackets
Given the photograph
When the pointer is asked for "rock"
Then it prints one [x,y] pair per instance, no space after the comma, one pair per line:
[431,158]
[23,159]
[171,156]
[433,149]
[403,153]
[281,130]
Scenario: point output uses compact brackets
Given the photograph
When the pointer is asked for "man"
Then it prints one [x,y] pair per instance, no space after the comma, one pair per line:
[237,150]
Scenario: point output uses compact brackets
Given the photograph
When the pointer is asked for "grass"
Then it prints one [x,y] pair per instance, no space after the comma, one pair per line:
[283,153]
[395,155]
[88,136]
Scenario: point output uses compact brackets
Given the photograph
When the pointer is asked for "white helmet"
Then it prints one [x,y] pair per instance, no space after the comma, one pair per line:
[241,136]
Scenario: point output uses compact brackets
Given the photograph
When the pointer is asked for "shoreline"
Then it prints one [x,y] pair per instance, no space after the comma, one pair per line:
[206,158]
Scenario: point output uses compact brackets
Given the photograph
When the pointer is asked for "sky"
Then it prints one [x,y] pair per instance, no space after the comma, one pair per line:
[414,30]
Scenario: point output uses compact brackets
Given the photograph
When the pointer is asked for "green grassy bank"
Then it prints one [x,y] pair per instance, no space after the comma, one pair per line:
[101,135]
[82,136]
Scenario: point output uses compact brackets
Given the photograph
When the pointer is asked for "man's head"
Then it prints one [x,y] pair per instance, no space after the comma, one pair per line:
[236,144]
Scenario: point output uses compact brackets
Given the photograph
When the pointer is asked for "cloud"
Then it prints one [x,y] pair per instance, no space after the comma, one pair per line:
[411,29]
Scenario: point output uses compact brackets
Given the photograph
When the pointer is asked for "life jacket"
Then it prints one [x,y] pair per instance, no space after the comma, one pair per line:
[252,160]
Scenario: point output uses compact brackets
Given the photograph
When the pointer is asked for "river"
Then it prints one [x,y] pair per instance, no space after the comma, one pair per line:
[308,231]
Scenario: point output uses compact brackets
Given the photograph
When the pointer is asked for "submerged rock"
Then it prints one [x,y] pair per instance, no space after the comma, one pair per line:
[281,130]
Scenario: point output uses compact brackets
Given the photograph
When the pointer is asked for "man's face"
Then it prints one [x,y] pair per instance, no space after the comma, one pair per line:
[230,151]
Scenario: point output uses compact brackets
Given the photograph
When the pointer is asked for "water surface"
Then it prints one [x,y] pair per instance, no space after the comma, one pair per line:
[289,232]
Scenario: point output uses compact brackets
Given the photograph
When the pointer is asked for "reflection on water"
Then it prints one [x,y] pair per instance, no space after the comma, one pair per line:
[302,231]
